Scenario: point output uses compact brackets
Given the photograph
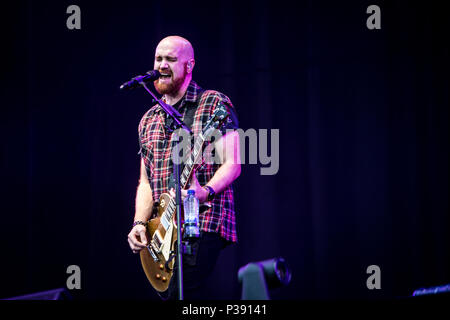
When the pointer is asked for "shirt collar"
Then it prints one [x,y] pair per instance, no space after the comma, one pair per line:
[192,93]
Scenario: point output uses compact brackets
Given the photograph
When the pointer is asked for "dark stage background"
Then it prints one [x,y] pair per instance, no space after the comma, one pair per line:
[363,120]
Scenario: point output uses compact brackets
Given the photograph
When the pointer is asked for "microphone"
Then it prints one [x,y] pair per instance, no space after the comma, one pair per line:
[135,82]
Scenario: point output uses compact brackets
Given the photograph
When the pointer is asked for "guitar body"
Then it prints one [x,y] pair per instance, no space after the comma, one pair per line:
[157,261]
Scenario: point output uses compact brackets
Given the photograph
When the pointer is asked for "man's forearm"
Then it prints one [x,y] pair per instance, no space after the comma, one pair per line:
[144,202]
[224,176]
[228,150]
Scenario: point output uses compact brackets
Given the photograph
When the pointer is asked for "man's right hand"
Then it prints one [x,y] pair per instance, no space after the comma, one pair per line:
[137,239]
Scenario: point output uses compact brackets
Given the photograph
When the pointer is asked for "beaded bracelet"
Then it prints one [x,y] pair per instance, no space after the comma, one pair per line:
[139,222]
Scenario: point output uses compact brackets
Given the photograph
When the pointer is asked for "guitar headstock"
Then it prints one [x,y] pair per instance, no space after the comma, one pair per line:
[219,116]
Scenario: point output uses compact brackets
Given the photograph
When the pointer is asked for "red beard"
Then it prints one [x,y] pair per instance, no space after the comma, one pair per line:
[170,88]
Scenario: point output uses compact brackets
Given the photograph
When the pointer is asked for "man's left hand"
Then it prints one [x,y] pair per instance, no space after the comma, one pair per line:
[200,193]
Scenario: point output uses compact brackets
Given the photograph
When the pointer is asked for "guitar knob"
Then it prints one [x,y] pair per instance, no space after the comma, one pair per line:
[161,266]
[158,276]
[164,279]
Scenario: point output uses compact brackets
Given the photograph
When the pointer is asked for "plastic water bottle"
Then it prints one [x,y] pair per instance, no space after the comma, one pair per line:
[191,207]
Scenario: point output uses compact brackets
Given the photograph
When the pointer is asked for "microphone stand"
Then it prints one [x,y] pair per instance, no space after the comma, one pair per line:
[171,111]
[176,116]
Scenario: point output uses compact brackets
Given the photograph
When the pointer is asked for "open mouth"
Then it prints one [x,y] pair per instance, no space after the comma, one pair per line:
[165,76]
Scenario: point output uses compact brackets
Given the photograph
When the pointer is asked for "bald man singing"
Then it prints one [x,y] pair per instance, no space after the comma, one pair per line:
[212,182]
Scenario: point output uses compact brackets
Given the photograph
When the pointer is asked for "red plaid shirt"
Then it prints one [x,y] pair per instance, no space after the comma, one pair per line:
[156,151]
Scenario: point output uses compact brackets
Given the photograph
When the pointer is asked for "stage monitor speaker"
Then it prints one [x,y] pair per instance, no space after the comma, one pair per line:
[258,278]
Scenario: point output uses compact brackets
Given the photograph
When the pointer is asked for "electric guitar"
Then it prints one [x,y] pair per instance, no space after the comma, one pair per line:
[158,257]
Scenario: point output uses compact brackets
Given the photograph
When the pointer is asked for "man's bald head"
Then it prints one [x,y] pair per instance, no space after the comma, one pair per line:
[182,45]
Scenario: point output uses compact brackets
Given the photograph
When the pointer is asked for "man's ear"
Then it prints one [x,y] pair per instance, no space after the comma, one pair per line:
[190,65]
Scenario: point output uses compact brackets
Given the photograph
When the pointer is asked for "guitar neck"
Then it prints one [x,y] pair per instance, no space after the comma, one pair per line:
[192,160]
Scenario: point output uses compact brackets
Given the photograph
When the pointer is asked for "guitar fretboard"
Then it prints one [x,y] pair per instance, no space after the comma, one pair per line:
[191,160]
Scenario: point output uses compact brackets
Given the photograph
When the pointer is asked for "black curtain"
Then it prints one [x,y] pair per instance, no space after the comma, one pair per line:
[363,141]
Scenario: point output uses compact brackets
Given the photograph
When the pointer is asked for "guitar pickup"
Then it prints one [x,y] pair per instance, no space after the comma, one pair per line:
[157,242]
[152,253]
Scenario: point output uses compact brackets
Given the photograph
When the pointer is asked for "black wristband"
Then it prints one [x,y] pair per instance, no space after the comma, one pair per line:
[139,222]
[211,192]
